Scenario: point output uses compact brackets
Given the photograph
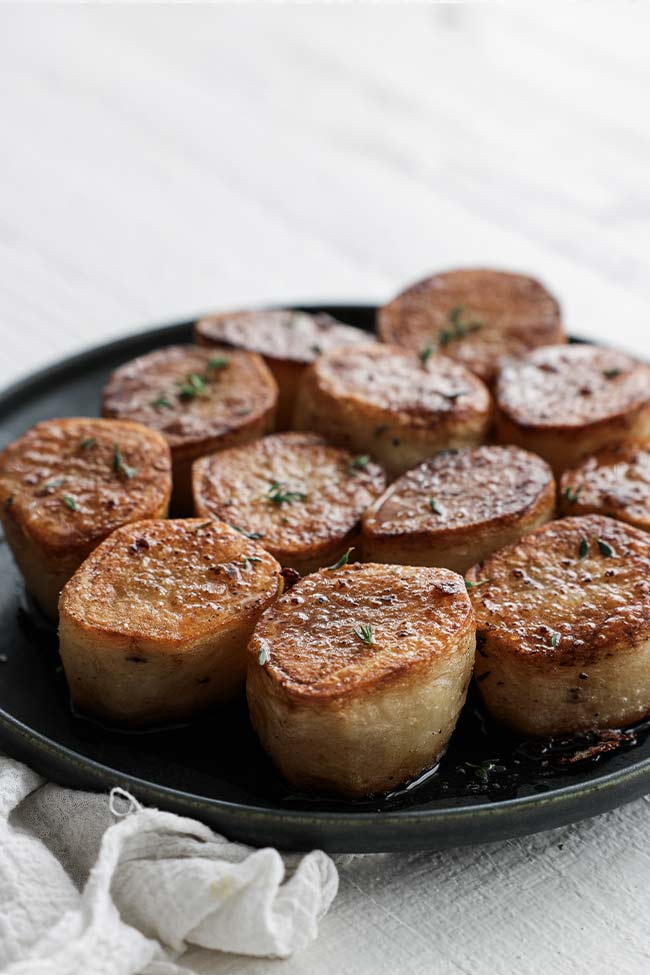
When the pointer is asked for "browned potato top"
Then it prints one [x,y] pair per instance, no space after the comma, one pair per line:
[572,386]
[191,394]
[73,480]
[313,637]
[566,590]
[457,489]
[278,333]
[293,489]
[615,481]
[171,581]
[413,391]
[479,317]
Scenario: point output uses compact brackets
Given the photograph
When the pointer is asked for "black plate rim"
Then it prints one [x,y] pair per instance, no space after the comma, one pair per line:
[533,812]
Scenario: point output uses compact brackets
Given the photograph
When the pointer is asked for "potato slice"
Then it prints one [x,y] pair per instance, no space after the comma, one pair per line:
[201,400]
[479,317]
[563,627]
[459,507]
[300,496]
[615,481]
[401,409]
[288,340]
[65,485]
[154,624]
[357,676]
[565,402]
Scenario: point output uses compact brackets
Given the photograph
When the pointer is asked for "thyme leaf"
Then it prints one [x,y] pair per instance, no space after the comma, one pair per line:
[70,502]
[119,464]
[277,494]
[364,633]
[359,463]
[474,585]
[342,561]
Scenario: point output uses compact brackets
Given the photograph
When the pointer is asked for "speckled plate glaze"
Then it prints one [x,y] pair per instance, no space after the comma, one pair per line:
[489,785]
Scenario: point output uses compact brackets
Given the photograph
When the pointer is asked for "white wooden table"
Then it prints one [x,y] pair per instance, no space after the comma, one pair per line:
[160,161]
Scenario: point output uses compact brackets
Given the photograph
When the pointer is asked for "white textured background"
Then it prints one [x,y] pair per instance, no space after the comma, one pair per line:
[160,161]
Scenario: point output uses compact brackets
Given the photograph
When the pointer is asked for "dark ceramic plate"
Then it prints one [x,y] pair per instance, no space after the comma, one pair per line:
[488,786]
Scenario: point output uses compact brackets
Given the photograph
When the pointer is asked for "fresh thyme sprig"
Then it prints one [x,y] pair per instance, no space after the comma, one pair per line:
[70,502]
[474,585]
[218,362]
[277,494]
[252,535]
[433,505]
[162,402]
[570,495]
[458,327]
[342,561]
[194,385]
[119,464]
[359,463]
[365,633]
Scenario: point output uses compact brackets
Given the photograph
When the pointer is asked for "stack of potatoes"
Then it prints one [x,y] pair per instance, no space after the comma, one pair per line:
[359,524]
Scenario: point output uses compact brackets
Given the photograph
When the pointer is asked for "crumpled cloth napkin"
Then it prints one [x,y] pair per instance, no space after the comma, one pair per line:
[97,886]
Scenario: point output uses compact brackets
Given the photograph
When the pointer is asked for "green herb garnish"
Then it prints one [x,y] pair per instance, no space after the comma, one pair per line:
[584,548]
[252,535]
[263,656]
[481,771]
[359,463]
[474,585]
[364,633]
[70,502]
[276,494]
[218,362]
[53,485]
[433,504]
[342,561]
[554,639]
[612,373]
[162,402]
[194,385]
[316,348]
[458,327]
[604,548]
[426,354]
[249,560]
[119,464]
[570,495]
[87,442]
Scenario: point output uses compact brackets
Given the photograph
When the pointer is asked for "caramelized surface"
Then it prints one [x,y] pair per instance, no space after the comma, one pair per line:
[572,386]
[468,488]
[479,317]
[279,334]
[309,634]
[325,492]
[398,383]
[231,394]
[615,481]
[68,482]
[171,581]
[543,585]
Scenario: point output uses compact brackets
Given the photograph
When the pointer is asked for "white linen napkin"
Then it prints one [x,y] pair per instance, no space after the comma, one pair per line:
[97,886]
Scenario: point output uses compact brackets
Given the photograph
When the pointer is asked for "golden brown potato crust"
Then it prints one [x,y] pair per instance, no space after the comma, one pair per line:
[390,403]
[67,484]
[309,635]
[170,582]
[356,680]
[200,399]
[564,402]
[302,497]
[479,317]
[288,340]
[278,334]
[615,482]
[460,506]
[154,624]
[561,618]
